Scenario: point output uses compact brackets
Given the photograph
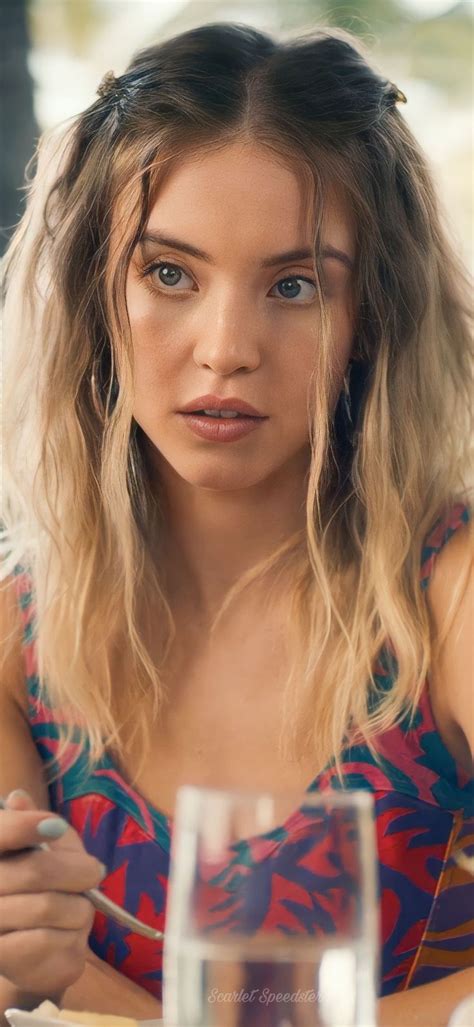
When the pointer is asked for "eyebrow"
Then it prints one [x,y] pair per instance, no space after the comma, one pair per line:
[287,257]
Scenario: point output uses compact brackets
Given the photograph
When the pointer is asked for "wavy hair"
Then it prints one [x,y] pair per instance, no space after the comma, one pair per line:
[80,506]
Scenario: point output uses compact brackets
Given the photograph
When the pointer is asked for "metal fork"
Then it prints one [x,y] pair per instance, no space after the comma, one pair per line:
[105,905]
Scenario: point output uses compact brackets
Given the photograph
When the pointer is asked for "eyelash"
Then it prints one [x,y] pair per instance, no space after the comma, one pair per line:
[146,272]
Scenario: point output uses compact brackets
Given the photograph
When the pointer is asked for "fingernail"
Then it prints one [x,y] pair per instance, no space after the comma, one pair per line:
[18,793]
[52,827]
[103,871]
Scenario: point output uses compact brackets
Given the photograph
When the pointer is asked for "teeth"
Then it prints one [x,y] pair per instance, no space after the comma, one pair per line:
[221,413]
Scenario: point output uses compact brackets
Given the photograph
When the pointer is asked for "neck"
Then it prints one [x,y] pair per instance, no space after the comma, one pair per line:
[213,537]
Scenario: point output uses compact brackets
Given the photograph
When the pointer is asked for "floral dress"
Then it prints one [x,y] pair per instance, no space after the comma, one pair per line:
[424,811]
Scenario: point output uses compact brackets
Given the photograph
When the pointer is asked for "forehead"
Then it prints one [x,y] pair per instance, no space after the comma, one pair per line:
[245,195]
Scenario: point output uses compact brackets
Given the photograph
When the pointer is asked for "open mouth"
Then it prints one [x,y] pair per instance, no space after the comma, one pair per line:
[221,425]
[222,415]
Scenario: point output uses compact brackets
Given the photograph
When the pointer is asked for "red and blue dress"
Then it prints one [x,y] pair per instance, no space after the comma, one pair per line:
[424,812]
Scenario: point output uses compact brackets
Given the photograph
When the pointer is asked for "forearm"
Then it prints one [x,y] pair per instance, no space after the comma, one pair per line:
[100,989]
[430,1005]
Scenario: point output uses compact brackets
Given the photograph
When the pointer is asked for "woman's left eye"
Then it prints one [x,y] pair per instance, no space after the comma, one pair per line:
[287,285]
[171,275]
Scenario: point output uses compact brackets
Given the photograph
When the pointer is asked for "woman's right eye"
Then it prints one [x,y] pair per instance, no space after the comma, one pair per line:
[166,275]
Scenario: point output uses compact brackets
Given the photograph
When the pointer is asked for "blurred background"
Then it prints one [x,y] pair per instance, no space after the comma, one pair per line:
[55,52]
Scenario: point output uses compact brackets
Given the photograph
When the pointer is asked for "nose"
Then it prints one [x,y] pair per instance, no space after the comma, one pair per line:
[228,338]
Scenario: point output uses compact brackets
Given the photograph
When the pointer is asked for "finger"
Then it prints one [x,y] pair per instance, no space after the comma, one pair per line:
[43,960]
[52,870]
[19,799]
[19,828]
[45,909]
[22,800]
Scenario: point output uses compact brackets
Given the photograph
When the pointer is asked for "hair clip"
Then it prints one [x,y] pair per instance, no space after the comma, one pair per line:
[108,84]
[399,97]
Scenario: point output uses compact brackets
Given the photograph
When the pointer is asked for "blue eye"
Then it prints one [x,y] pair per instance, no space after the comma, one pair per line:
[289,293]
[171,275]
[167,273]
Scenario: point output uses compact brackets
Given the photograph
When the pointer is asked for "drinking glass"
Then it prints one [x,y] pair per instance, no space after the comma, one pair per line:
[272,914]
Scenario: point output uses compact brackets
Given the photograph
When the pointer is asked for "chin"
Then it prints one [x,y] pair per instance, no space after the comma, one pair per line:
[216,472]
[220,479]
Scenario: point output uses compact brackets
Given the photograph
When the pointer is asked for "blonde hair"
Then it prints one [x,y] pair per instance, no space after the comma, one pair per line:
[80,508]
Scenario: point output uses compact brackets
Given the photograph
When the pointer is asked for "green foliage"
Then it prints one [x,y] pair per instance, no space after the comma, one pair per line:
[363,17]
[436,49]
[441,52]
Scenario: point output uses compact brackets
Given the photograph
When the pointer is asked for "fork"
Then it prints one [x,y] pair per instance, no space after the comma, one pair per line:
[105,905]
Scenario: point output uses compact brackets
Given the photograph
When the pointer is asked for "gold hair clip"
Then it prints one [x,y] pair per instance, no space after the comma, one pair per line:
[399,96]
[108,84]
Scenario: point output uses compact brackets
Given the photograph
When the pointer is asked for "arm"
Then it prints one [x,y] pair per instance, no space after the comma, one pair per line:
[430,1005]
[450,599]
[451,604]
[100,987]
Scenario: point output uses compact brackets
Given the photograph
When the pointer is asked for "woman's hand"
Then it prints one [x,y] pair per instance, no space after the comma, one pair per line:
[106,990]
[44,920]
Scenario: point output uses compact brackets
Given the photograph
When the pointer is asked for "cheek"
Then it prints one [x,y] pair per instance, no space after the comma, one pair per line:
[301,361]
[143,314]
[341,334]
[154,349]
[143,320]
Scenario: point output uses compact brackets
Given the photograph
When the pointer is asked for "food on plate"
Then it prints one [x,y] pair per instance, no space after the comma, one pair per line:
[96,1019]
[48,1008]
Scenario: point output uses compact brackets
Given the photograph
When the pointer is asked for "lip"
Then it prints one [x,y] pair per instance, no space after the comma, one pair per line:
[220,403]
[225,430]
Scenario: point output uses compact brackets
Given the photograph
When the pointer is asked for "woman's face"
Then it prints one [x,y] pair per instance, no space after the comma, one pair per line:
[230,321]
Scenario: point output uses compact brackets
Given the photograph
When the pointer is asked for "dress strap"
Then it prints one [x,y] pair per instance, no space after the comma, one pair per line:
[444,527]
[23,585]
[452,787]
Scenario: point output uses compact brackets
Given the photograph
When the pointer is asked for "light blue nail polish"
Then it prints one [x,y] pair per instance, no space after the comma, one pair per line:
[52,827]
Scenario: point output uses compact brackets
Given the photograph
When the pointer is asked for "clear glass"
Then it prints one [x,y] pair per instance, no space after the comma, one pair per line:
[272,914]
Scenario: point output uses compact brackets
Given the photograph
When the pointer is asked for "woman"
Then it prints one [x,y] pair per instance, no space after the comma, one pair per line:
[235,227]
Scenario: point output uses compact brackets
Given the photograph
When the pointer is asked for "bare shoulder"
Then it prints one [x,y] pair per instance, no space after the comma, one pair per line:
[20,766]
[450,597]
[450,590]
